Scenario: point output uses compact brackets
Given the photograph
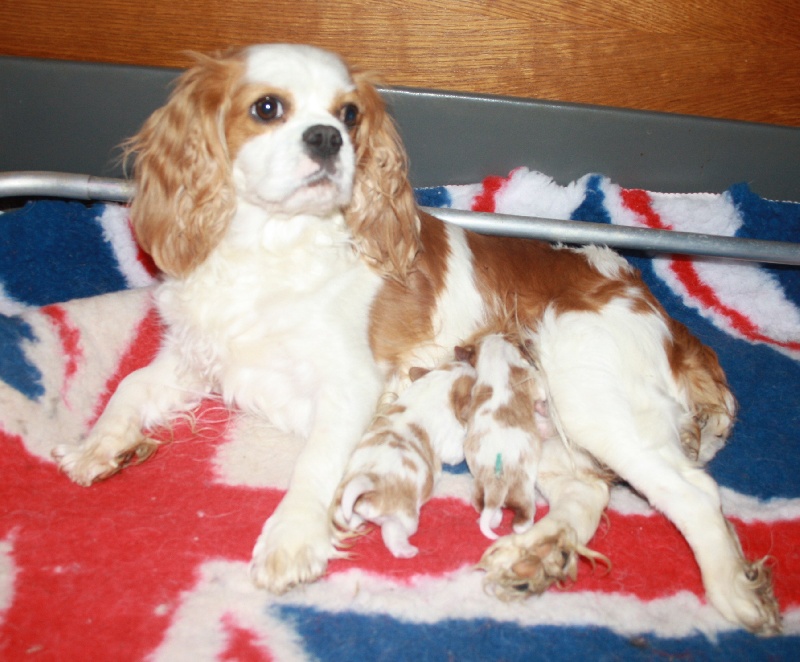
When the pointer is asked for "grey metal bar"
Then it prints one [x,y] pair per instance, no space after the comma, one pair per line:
[619,236]
[64,185]
[84,187]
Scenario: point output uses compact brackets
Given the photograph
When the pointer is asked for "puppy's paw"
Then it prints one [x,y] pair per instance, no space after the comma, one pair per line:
[291,551]
[395,533]
[101,456]
[489,520]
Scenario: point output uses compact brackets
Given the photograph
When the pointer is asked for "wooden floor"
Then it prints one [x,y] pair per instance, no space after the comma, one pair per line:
[737,59]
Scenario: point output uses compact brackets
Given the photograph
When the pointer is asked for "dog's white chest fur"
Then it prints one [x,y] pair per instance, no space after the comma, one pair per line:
[248,323]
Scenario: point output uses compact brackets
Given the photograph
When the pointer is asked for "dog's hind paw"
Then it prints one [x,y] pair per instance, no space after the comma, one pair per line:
[750,600]
[529,563]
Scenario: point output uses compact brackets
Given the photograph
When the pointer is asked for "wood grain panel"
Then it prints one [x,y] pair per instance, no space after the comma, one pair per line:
[738,59]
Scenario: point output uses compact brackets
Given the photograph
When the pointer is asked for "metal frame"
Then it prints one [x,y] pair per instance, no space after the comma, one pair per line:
[86,187]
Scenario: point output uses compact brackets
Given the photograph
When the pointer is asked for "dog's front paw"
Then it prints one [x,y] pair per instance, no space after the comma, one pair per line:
[100,456]
[529,563]
[292,551]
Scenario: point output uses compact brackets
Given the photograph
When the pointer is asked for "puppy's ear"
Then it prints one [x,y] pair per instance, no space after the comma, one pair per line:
[383,212]
[184,195]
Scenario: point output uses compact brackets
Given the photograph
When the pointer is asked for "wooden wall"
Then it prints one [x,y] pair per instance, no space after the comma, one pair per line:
[738,59]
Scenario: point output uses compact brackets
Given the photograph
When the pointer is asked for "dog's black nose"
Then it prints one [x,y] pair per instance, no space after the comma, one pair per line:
[322,141]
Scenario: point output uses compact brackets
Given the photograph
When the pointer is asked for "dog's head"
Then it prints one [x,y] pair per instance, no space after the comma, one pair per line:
[289,129]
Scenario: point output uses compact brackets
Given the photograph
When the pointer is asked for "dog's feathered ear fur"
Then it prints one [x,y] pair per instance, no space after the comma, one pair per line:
[383,212]
[184,195]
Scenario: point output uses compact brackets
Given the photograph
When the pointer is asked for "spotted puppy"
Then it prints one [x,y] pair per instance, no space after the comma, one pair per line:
[395,466]
[508,421]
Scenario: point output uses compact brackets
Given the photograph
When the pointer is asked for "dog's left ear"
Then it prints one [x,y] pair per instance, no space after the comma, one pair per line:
[383,212]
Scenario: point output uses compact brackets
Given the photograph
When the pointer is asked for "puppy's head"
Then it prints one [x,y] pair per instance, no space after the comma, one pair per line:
[288,129]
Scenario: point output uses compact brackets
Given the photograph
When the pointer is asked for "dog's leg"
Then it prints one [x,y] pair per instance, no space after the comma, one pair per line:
[642,446]
[298,539]
[613,390]
[144,398]
[528,563]
[739,589]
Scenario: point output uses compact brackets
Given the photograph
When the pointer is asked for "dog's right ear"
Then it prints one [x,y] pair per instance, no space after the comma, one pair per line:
[184,194]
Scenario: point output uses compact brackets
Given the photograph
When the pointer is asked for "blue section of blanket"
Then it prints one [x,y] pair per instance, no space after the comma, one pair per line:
[775,221]
[437,196]
[592,209]
[343,636]
[16,369]
[54,251]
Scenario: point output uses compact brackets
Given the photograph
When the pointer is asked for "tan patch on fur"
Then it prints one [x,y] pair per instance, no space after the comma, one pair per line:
[520,410]
[402,315]
[392,494]
[393,410]
[415,373]
[461,397]
[481,394]
[241,126]
[518,501]
[424,449]
[696,368]
[525,276]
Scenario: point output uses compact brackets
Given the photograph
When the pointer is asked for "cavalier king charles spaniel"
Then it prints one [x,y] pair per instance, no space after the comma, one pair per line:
[301,282]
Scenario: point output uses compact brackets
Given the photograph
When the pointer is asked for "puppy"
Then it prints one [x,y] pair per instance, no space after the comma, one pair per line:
[301,281]
[396,465]
[507,422]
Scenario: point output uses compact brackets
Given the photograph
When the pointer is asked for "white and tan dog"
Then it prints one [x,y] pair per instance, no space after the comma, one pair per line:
[301,281]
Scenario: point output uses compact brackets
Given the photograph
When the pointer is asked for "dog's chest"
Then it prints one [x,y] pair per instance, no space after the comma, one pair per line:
[268,330]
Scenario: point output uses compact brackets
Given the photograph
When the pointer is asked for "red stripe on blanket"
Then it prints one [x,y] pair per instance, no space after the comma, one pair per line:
[120,554]
[649,557]
[639,202]
[485,200]
[143,258]
[70,338]
[243,645]
[141,351]
[112,561]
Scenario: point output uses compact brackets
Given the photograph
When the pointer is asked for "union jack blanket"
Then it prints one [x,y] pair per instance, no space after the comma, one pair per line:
[152,563]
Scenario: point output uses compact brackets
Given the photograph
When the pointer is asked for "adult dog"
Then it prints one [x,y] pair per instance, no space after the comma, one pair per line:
[301,282]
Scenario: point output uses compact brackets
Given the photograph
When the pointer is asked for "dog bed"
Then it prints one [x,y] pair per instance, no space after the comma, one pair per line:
[152,563]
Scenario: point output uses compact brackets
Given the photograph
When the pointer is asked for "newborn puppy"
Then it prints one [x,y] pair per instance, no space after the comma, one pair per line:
[508,421]
[394,468]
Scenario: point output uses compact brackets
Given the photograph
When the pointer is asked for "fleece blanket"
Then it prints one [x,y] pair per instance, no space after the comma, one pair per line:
[152,563]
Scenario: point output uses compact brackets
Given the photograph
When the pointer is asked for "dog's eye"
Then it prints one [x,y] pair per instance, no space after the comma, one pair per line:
[349,115]
[267,109]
